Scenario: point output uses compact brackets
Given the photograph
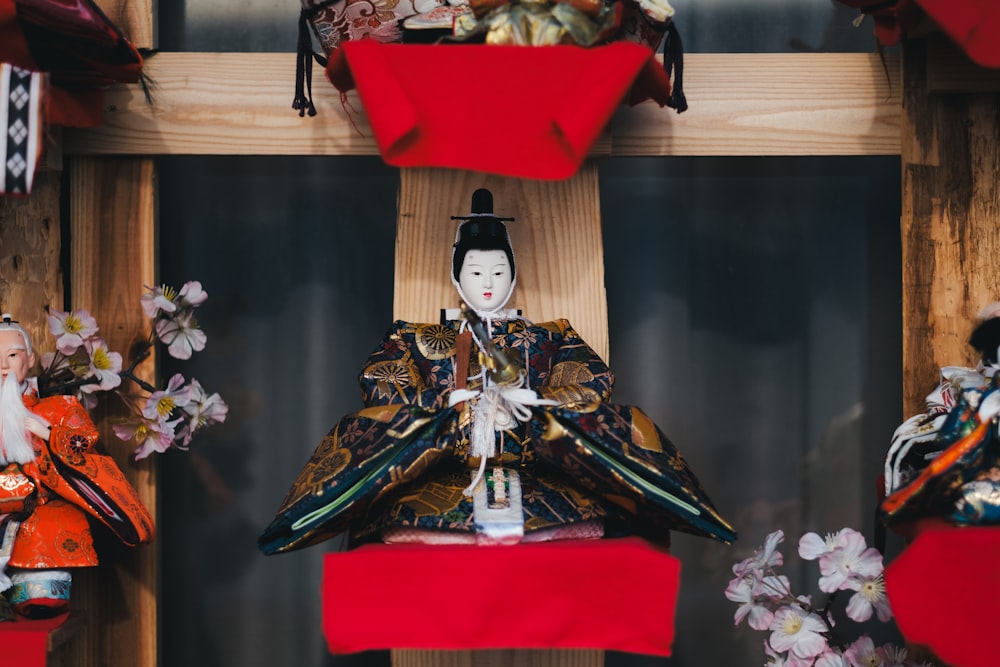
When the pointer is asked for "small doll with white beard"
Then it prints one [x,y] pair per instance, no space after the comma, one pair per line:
[51,481]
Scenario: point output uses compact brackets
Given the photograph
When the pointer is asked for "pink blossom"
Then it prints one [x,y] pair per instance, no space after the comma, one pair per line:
[161,404]
[105,367]
[181,335]
[71,329]
[870,597]
[862,653]
[850,558]
[191,294]
[765,557]
[812,546]
[158,299]
[751,594]
[150,435]
[202,410]
[799,631]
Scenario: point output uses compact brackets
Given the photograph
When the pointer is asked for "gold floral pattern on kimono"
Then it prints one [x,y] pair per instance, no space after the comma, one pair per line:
[581,459]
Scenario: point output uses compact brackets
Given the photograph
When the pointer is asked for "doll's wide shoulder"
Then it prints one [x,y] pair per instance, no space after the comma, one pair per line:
[560,327]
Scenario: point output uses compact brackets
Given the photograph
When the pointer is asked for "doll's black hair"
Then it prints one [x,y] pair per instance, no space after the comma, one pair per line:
[985,339]
[481,230]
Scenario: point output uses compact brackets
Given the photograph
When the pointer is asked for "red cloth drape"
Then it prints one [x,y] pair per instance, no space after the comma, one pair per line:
[613,594]
[944,590]
[23,643]
[972,24]
[80,106]
[532,112]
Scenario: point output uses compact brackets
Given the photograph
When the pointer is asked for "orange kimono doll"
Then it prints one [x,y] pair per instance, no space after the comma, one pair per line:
[51,479]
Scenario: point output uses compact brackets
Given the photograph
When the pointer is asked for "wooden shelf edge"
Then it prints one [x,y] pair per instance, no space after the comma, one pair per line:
[741,104]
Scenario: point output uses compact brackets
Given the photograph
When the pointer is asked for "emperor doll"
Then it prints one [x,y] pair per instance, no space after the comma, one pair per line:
[488,428]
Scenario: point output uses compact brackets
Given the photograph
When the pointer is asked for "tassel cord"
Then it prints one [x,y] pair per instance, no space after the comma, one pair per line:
[673,63]
[498,408]
[303,67]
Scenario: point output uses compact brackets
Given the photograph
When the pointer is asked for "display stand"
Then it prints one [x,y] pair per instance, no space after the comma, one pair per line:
[616,594]
[742,104]
[945,592]
[560,256]
[39,643]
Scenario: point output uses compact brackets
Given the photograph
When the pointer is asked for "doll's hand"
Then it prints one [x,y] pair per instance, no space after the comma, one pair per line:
[37,427]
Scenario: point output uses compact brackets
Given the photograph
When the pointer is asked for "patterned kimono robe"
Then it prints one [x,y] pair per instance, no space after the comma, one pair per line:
[402,462]
[65,483]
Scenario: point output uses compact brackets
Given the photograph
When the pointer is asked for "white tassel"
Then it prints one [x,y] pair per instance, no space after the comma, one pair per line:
[500,408]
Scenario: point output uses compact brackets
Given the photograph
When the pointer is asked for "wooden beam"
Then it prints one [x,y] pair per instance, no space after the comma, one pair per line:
[741,104]
[31,277]
[224,104]
[112,255]
[772,104]
[950,236]
[559,255]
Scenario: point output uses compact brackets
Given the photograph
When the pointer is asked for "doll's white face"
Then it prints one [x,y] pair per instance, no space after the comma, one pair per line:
[485,278]
[13,356]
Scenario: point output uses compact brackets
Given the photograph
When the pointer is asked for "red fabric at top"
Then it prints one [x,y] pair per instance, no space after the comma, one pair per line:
[532,112]
[614,594]
[973,24]
[13,47]
[944,590]
[77,105]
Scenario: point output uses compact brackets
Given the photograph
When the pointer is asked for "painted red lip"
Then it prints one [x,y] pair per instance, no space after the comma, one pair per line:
[488,295]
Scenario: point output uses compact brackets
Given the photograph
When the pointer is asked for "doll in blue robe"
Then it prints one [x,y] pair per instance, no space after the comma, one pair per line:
[487,428]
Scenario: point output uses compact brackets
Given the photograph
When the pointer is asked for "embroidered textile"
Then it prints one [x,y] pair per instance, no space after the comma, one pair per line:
[72,482]
[403,461]
[21,107]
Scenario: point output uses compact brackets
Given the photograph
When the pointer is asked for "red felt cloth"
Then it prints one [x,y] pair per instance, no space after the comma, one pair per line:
[944,590]
[531,112]
[972,24]
[613,594]
[23,643]
[76,107]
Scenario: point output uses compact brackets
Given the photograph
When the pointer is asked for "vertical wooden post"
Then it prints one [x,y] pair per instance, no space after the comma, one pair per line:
[950,221]
[112,236]
[950,153]
[559,254]
[30,243]
[112,255]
